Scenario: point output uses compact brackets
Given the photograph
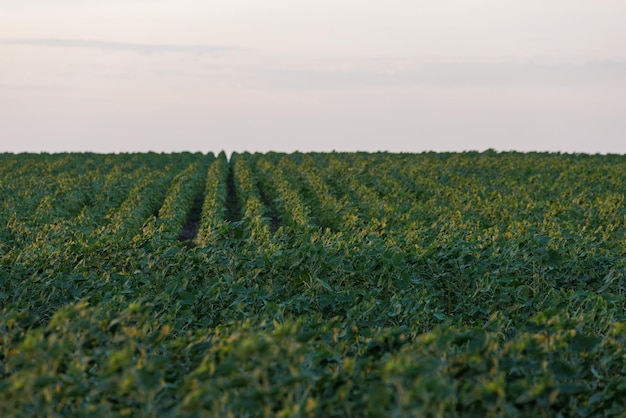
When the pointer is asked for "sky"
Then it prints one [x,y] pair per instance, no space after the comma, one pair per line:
[304,75]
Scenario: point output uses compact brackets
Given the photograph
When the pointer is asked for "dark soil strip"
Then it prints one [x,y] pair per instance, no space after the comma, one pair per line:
[190,228]
[270,211]
[233,209]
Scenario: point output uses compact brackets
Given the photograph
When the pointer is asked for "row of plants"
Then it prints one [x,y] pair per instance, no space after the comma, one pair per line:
[177,205]
[213,220]
[291,209]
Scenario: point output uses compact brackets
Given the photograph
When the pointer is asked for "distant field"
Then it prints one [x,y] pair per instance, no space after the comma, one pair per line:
[314,285]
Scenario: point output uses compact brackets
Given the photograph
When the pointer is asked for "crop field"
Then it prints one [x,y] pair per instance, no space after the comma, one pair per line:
[312,285]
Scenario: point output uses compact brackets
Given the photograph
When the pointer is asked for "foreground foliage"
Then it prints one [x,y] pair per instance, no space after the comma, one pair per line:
[315,285]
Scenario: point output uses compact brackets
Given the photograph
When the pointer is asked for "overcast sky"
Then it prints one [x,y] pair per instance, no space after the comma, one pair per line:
[346,75]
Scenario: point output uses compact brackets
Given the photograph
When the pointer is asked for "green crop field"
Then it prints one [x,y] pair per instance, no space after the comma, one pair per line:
[313,285]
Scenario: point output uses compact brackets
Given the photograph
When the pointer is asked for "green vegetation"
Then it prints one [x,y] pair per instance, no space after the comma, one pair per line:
[313,285]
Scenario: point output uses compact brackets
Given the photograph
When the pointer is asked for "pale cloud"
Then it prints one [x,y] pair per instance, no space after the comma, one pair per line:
[446,75]
[31,87]
[120,46]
